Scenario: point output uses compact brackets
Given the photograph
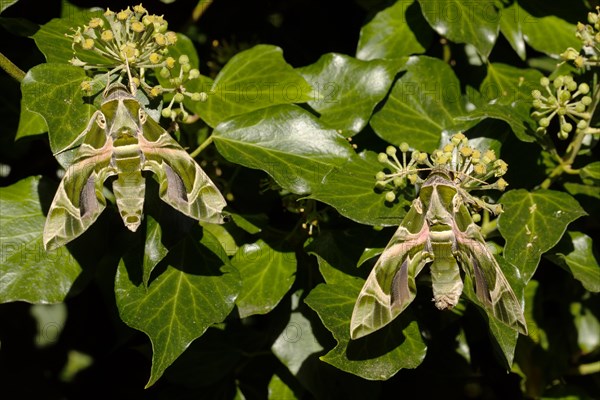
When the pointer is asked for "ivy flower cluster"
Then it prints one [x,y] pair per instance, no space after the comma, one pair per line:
[589,34]
[470,168]
[564,99]
[131,42]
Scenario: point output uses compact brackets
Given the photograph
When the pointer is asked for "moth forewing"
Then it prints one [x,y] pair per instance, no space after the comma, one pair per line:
[391,287]
[79,200]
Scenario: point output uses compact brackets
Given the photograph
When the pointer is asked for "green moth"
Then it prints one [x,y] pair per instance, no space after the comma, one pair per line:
[122,140]
[438,230]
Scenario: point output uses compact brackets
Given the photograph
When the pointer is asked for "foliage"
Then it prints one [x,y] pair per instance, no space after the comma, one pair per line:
[261,306]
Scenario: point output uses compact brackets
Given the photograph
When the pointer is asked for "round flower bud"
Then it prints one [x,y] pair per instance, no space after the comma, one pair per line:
[501,184]
[572,86]
[194,73]
[186,67]
[124,14]
[139,9]
[566,127]
[404,147]
[166,112]
[382,157]
[537,103]
[390,196]
[155,58]
[160,40]
[563,135]
[544,81]
[390,150]
[138,27]
[398,181]
[479,169]
[457,138]
[171,37]
[476,217]
[544,122]
[156,91]
[536,94]
[564,96]
[558,81]
[380,176]
[584,88]
[184,59]
[178,97]
[586,100]
[579,107]
[88,44]
[164,72]
[582,124]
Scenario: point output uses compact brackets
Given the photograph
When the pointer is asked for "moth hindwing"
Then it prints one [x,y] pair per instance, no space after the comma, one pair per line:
[437,230]
[122,141]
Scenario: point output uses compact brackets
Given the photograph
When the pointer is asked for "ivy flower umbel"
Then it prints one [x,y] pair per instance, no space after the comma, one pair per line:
[470,168]
[565,99]
[130,42]
[589,34]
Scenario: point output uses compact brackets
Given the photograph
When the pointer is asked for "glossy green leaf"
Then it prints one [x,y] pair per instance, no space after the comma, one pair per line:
[346,90]
[590,174]
[575,252]
[350,189]
[423,103]
[52,41]
[475,23]
[588,326]
[196,288]
[30,124]
[54,92]
[5,4]
[267,274]
[27,272]
[297,341]
[378,356]
[576,188]
[506,91]
[549,34]
[395,32]
[251,80]
[510,26]
[154,249]
[278,390]
[286,142]
[532,223]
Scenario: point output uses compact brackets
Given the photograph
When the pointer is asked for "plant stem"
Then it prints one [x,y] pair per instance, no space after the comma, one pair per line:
[11,68]
[204,145]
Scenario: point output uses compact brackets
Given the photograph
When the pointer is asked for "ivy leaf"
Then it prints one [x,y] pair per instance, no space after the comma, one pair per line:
[590,174]
[394,33]
[532,223]
[423,104]
[350,189]
[346,90]
[278,390]
[286,142]
[577,188]
[30,124]
[267,274]
[475,23]
[27,272]
[54,92]
[52,41]
[548,33]
[507,92]
[251,80]
[154,249]
[576,254]
[196,288]
[378,356]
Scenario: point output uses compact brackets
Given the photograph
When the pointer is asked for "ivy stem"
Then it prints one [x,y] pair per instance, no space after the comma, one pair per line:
[11,68]
[488,226]
[567,160]
[202,146]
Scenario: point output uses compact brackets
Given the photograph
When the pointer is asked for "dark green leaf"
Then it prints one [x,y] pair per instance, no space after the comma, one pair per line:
[393,32]
[346,90]
[575,253]
[5,4]
[54,92]
[590,174]
[286,142]
[51,39]
[196,288]
[267,274]
[27,272]
[278,390]
[423,104]
[30,124]
[576,188]
[378,356]
[510,26]
[532,223]
[154,249]
[475,23]
[507,93]
[350,189]
[251,80]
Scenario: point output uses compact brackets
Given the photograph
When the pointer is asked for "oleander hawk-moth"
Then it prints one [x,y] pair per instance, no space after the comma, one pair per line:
[438,230]
[122,140]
